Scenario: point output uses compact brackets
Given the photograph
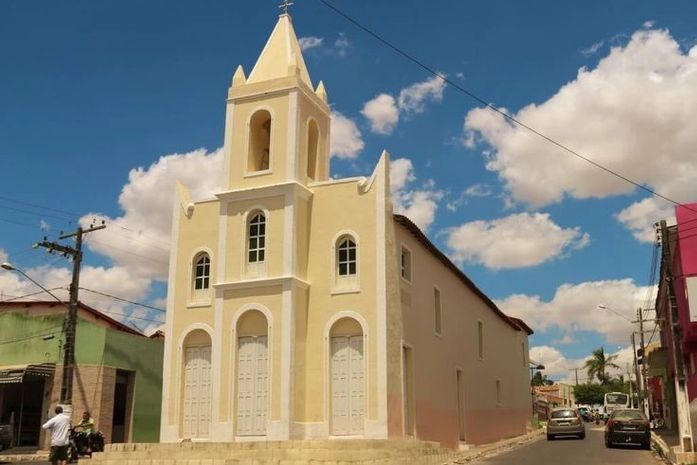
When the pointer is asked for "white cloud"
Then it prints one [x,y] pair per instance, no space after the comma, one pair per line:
[412,99]
[515,241]
[648,24]
[3,256]
[574,307]
[641,217]
[593,49]
[632,113]
[342,45]
[559,367]
[140,239]
[382,112]
[418,204]
[346,140]
[478,190]
[118,281]
[307,43]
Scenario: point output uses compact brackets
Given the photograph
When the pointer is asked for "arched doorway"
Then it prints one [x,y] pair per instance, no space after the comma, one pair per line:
[347,377]
[196,398]
[252,374]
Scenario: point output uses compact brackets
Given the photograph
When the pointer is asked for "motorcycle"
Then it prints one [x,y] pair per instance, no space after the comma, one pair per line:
[83,444]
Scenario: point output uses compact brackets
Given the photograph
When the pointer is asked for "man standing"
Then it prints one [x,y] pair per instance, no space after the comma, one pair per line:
[59,426]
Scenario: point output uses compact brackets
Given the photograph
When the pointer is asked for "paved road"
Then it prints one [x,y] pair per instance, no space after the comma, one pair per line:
[562,451]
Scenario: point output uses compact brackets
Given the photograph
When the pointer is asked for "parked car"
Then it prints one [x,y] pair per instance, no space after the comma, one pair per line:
[565,421]
[5,436]
[628,426]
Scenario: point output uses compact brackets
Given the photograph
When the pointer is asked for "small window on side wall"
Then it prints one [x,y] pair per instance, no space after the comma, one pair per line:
[201,274]
[256,249]
[346,259]
[405,263]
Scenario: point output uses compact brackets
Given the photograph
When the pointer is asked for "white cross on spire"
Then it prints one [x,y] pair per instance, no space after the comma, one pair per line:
[285,4]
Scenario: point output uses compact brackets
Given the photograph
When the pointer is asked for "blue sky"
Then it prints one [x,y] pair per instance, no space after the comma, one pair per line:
[92,91]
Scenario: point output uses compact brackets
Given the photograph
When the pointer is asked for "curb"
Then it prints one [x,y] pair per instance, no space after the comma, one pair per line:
[504,445]
[661,447]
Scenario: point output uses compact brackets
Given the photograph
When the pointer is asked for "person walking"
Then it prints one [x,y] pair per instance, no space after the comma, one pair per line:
[59,426]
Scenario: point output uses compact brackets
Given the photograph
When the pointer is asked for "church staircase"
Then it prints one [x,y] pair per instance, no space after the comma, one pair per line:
[315,452]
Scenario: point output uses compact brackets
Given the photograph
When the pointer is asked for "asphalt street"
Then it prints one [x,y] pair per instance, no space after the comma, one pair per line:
[572,451]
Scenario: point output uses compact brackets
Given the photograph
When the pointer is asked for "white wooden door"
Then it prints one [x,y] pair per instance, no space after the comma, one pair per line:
[252,385]
[197,392]
[348,385]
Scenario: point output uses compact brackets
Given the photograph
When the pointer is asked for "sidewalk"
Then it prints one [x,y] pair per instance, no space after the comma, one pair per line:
[667,443]
[485,450]
[23,454]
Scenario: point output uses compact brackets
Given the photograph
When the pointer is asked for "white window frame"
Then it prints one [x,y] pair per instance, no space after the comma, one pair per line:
[199,297]
[257,268]
[409,279]
[480,340]
[437,312]
[345,284]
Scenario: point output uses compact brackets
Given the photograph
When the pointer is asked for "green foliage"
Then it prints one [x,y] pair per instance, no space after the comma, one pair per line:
[589,393]
[597,365]
[538,379]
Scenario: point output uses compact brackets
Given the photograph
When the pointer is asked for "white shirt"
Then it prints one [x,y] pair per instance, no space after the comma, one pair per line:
[60,429]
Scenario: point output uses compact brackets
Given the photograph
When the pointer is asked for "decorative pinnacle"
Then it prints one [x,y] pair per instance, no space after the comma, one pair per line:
[285,4]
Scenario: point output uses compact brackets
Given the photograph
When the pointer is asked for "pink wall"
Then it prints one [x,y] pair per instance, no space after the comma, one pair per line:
[684,265]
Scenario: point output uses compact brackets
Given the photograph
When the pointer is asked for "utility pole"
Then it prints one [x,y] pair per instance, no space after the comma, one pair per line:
[636,365]
[71,318]
[641,388]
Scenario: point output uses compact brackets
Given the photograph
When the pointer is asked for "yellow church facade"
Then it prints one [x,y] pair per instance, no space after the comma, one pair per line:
[301,307]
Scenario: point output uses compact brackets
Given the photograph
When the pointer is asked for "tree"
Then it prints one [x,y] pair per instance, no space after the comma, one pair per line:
[588,393]
[597,365]
[538,379]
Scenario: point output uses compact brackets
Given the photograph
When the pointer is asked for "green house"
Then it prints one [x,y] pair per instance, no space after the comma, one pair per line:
[117,378]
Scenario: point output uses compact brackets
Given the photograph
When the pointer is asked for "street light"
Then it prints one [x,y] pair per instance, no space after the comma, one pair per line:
[10,267]
[67,361]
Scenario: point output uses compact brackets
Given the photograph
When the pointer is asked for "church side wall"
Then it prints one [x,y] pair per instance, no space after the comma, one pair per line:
[437,357]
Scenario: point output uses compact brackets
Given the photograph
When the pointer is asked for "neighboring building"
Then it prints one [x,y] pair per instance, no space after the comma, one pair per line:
[118,373]
[300,307]
[557,394]
[672,368]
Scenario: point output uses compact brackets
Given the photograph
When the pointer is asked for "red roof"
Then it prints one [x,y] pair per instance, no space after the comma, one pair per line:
[516,323]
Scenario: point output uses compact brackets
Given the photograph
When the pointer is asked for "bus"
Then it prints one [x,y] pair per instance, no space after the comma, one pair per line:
[614,401]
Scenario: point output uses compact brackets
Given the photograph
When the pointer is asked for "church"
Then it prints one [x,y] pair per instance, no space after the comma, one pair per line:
[301,307]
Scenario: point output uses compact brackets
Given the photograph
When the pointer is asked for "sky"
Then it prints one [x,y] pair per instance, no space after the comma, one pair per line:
[103,105]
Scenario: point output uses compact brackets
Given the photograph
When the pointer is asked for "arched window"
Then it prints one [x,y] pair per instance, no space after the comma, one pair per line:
[346,257]
[312,149]
[202,272]
[259,141]
[257,238]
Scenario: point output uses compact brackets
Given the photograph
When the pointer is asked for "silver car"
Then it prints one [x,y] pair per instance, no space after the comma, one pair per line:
[565,421]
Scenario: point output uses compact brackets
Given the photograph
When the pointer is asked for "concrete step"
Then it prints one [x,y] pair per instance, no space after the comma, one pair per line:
[324,452]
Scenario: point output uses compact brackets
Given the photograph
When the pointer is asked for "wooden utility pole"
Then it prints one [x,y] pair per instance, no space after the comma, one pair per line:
[71,318]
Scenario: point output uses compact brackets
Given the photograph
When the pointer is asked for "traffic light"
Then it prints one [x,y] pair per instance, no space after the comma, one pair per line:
[640,356]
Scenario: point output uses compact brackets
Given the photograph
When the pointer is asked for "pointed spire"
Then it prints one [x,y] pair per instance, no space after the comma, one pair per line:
[281,56]
[321,92]
[239,78]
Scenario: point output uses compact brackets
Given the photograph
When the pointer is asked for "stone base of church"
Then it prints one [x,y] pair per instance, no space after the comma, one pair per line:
[315,452]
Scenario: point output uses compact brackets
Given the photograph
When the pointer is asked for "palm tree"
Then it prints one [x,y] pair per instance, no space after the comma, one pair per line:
[598,363]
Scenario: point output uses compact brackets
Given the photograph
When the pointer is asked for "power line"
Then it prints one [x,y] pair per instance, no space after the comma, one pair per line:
[493,107]
[33,293]
[124,300]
